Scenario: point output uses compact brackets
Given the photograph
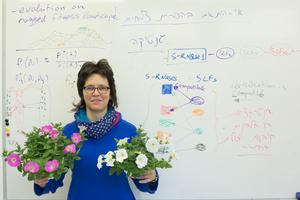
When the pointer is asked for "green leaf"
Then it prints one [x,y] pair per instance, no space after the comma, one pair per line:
[119,171]
[112,170]
[31,177]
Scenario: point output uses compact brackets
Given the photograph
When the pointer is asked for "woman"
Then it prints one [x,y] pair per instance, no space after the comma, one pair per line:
[96,111]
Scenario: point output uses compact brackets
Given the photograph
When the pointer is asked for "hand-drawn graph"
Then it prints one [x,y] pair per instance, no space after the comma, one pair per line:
[83,37]
[26,107]
[179,111]
[194,113]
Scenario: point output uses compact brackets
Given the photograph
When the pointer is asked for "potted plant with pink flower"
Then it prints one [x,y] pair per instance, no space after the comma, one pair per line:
[46,153]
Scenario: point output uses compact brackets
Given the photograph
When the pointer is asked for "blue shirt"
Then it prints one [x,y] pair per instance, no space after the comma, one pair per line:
[90,183]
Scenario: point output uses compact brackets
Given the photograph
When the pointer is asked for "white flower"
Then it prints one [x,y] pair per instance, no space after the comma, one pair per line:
[173,155]
[121,155]
[152,145]
[110,162]
[122,141]
[165,149]
[100,161]
[141,160]
[108,155]
[99,165]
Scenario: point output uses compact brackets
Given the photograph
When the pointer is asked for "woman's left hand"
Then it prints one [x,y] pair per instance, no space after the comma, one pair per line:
[149,176]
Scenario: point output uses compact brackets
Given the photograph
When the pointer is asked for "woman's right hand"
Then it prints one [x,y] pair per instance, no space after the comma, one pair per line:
[41,182]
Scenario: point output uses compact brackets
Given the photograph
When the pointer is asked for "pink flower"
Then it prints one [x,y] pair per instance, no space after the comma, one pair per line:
[51,165]
[46,128]
[13,160]
[32,167]
[71,148]
[82,128]
[54,134]
[76,138]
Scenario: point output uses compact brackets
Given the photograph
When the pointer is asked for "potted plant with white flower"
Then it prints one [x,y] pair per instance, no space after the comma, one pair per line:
[137,155]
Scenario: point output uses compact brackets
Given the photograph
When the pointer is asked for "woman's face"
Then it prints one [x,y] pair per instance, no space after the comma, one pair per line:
[96,100]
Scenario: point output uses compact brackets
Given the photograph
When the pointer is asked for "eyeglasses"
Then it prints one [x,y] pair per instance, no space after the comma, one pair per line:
[102,89]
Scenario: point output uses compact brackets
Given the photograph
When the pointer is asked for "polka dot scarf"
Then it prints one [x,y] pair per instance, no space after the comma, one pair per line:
[99,128]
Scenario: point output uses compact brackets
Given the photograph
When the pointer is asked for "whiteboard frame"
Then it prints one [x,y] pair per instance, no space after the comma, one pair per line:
[3,187]
[2,86]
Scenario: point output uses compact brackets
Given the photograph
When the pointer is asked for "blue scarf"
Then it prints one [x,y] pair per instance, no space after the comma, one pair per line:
[99,128]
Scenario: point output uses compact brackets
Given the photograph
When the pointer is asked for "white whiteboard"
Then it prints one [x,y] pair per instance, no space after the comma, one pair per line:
[218,73]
